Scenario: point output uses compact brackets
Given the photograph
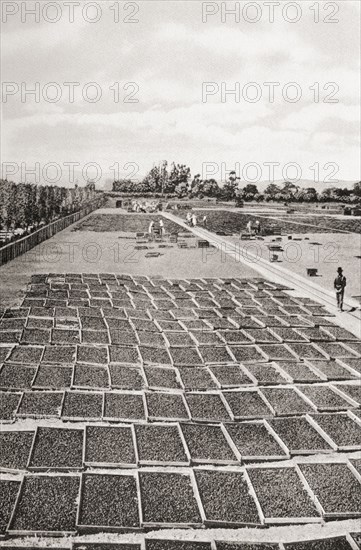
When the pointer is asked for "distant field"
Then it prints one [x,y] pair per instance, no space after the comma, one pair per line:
[128,223]
[347,224]
[234,222]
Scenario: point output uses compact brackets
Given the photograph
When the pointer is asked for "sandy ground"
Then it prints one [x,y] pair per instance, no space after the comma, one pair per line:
[93,252]
[272,534]
[325,252]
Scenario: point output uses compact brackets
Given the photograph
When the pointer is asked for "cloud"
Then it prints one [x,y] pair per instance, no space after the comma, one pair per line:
[169,54]
[320,115]
[224,41]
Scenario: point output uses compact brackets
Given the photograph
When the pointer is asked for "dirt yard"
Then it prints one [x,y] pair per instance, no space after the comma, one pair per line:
[325,252]
[94,251]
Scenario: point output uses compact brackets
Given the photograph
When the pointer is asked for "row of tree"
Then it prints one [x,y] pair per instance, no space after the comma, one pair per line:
[178,181]
[289,192]
[25,205]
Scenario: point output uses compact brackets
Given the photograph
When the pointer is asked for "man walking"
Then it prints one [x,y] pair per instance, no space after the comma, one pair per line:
[339,284]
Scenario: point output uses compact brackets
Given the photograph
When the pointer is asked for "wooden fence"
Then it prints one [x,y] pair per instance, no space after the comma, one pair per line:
[13,250]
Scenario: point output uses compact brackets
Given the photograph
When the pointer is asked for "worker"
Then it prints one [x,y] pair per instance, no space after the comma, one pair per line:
[151,230]
[339,285]
[188,218]
[257,227]
[194,220]
[249,227]
[161,227]
[204,221]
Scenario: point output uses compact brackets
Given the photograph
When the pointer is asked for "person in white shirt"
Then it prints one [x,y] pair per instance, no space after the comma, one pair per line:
[194,220]
[161,227]
[151,230]
[249,227]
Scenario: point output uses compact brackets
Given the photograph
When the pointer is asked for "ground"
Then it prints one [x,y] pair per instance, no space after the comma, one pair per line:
[178,354]
[325,252]
[95,251]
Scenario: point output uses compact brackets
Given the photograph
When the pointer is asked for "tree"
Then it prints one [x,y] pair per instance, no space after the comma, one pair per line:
[159,180]
[179,174]
[77,197]
[289,190]
[230,187]
[11,206]
[341,194]
[307,195]
[357,189]
[290,187]
[20,203]
[326,194]
[51,206]
[271,191]
[250,189]
[6,189]
[58,199]
[249,192]
[25,204]
[153,181]
[123,185]
[31,208]
[196,185]
[211,188]
[311,194]
[181,190]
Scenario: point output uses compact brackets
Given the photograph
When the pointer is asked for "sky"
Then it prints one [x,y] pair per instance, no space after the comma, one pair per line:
[162,70]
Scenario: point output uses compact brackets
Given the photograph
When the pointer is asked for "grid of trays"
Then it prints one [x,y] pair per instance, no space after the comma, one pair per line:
[349,542]
[158,403]
[233,222]
[127,223]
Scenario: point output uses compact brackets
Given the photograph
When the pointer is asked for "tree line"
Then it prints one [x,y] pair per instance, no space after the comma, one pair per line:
[160,179]
[177,180]
[26,205]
